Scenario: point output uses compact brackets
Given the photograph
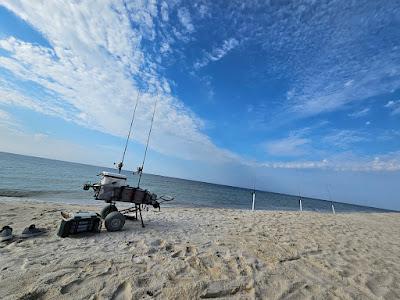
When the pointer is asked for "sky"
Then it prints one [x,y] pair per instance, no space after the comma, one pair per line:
[297,97]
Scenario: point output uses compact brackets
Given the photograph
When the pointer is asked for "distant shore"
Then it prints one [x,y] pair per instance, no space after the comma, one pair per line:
[203,253]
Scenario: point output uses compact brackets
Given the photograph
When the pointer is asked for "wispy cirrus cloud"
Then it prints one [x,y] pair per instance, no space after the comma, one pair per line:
[344,139]
[329,59]
[345,70]
[7,120]
[345,162]
[86,76]
[217,53]
[336,154]
[359,113]
[394,106]
[185,19]
[293,145]
[330,150]
[97,63]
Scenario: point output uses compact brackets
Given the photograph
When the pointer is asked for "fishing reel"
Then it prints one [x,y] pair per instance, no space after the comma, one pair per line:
[119,166]
[139,171]
[87,186]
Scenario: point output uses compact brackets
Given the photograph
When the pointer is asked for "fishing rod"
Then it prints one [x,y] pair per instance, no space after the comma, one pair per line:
[121,163]
[140,169]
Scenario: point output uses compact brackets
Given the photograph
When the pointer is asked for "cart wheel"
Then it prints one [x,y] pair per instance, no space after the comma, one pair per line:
[114,221]
[107,209]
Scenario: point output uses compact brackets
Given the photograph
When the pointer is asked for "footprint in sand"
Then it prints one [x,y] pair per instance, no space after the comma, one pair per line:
[123,291]
[70,286]
[238,266]
[293,290]
[177,254]
[169,247]
[57,276]
[379,285]
[190,251]
[152,250]
[158,243]
[142,281]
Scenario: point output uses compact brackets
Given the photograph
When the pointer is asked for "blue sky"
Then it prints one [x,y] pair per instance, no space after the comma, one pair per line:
[294,96]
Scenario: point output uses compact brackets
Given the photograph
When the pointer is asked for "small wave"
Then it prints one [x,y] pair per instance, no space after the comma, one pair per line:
[28,193]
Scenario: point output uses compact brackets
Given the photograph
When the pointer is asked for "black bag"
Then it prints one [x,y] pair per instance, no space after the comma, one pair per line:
[80,222]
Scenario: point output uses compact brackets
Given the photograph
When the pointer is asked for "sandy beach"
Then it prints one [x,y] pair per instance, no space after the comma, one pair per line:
[192,253]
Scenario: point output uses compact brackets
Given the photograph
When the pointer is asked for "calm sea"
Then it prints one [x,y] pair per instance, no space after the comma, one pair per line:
[39,179]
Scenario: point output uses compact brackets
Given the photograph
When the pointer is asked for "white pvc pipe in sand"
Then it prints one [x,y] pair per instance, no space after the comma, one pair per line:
[254,201]
[301,205]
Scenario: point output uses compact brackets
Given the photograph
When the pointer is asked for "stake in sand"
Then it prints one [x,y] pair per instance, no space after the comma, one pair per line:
[330,198]
[254,200]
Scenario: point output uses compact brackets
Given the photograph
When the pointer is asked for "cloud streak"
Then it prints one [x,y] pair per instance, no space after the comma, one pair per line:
[360,113]
[394,106]
[98,62]
[217,53]
[185,19]
[329,59]
[344,139]
[378,163]
[86,77]
[293,145]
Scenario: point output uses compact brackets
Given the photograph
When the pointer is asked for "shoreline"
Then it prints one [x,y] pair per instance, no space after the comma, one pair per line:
[100,203]
[204,253]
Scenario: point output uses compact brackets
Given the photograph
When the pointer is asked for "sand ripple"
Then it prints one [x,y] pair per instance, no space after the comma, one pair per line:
[203,253]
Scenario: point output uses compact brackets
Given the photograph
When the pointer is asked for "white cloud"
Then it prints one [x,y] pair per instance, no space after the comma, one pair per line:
[297,143]
[185,19]
[390,103]
[296,165]
[394,106]
[385,162]
[290,146]
[344,138]
[4,115]
[328,58]
[349,83]
[86,77]
[98,47]
[333,151]
[203,10]
[360,113]
[7,120]
[39,144]
[164,11]
[217,53]
[227,46]
[10,95]
[389,134]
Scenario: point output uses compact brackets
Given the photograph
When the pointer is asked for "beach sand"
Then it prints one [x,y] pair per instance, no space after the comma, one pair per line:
[192,253]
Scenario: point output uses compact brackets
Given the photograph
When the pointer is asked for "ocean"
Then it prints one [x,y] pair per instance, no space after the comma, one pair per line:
[39,179]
